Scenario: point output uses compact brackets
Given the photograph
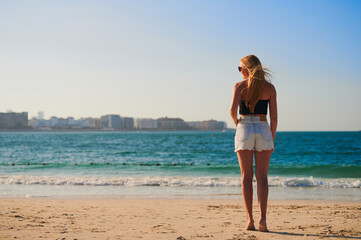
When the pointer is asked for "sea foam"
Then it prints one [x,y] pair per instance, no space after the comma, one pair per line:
[177,181]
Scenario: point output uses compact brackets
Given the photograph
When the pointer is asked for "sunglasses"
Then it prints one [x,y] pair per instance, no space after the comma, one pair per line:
[240,68]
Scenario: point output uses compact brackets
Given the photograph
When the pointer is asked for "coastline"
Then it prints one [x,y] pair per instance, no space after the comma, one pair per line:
[174,219]
[9,191]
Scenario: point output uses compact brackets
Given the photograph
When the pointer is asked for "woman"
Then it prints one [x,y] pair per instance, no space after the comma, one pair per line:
[253,134]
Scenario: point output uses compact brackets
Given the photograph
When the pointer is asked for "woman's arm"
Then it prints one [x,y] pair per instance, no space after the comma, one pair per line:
[235,102]
[273,112]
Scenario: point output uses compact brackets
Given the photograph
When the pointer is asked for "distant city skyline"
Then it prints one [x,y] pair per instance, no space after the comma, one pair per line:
[44,116]
[18,121]
[179,58]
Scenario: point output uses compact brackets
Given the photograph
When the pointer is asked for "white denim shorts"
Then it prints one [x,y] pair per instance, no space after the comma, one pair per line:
[253,134]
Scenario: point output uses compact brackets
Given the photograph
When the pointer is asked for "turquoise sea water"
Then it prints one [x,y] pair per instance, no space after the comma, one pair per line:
[171,163]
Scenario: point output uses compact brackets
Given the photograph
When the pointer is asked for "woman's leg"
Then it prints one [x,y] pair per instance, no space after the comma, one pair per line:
[262,160]
[245,159]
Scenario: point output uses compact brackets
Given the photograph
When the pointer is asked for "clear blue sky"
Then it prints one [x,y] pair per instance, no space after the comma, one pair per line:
[179,58]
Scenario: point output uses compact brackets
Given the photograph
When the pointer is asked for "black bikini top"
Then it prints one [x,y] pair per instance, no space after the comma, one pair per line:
[260,108]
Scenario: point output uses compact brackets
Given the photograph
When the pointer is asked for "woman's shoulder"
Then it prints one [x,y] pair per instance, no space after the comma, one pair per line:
[240,85]
[268,91]
[268,84]
[269,87]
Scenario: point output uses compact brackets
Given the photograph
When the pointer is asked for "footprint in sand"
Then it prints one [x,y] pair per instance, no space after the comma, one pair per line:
[225,224]
[181,238]
[161,228]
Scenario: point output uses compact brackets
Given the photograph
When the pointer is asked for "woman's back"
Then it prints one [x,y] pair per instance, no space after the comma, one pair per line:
[265,94]
[263,100]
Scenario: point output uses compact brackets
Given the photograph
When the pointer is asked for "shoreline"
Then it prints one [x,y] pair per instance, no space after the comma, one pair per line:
[186,197]
[177,198]
[175,219]
[155,192]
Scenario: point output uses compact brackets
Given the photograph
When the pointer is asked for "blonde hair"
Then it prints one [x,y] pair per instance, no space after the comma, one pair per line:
[258,76]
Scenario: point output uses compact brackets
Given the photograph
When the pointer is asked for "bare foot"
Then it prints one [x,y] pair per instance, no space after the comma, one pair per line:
[250,225]
[262,226]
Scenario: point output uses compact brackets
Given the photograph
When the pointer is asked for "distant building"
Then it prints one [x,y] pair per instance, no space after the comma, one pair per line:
[54,121]
[59,123]
[39,123]
[213,124]
[32,122]
[12,120]
[70,122]
[195,124]
[62,122]
[90,122]
[145,123]
[96,122]
[110,121]
[171,123]
[40,115]
[127,122]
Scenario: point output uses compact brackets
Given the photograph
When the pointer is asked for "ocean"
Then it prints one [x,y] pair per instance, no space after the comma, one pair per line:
[305,165]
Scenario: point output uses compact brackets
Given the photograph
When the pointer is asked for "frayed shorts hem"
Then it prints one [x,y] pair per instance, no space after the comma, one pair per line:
[242,149]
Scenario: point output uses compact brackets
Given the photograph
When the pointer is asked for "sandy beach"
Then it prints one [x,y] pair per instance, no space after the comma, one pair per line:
[174,219]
